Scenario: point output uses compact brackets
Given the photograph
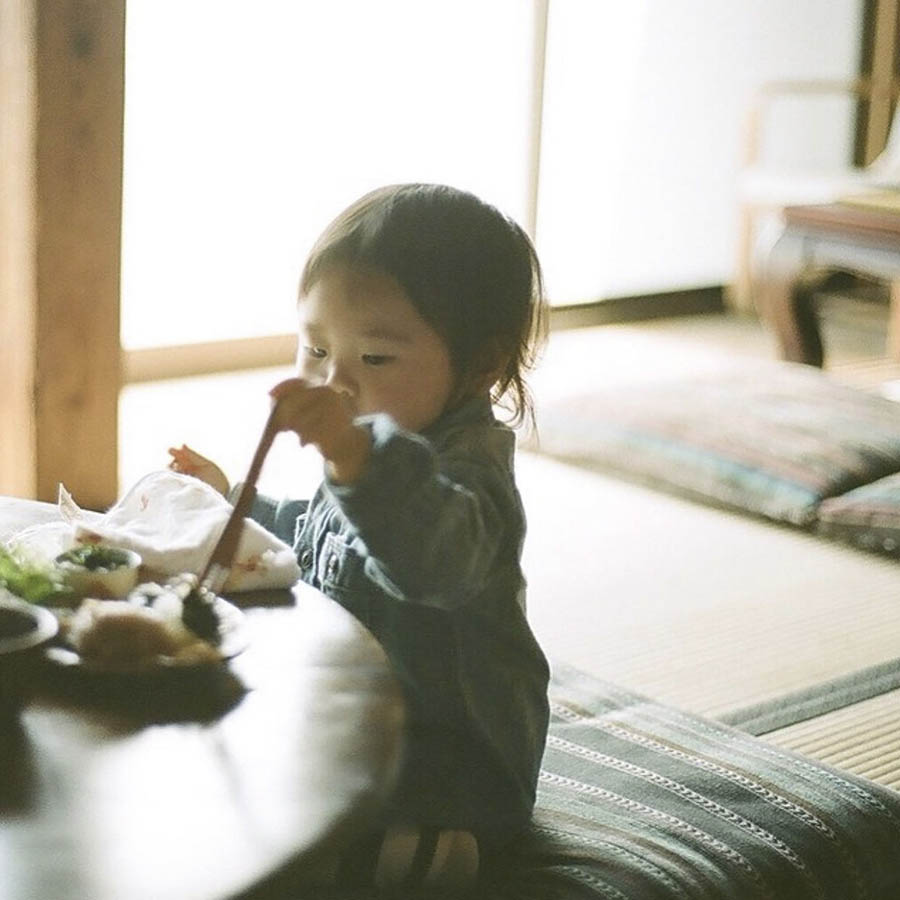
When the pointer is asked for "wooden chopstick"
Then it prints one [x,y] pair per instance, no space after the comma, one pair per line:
[219,564]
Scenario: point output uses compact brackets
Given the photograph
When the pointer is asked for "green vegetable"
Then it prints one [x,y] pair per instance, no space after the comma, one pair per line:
[95,557]
[31,581]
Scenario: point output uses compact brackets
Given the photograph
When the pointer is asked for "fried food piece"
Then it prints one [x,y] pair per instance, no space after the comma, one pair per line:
[116,634]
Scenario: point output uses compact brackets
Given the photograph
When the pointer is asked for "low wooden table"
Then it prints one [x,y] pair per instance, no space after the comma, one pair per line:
[816,239]
[197,790]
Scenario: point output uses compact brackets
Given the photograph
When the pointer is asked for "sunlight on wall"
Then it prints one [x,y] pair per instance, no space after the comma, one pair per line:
[246,133]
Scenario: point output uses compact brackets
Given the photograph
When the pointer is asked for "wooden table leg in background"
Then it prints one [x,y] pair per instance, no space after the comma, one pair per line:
[792,314]
[788,305]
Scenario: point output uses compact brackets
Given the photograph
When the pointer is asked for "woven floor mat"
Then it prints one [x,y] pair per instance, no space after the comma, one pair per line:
[862,738]
[711,611]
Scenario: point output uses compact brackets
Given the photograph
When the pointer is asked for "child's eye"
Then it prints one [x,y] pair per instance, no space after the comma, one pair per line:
[315,352]
[375,359]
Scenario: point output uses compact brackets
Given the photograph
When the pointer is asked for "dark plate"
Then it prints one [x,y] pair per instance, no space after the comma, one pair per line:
[23,629]
[23,625]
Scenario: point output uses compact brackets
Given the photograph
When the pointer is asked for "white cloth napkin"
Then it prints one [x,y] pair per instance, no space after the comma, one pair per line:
[173,521]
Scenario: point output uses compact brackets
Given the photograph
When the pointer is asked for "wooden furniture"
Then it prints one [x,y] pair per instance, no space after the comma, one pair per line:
[197,788]
[815,239]
[764,188]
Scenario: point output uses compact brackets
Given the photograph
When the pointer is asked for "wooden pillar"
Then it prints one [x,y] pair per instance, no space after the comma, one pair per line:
[540,14]
[61,96]
[884,41]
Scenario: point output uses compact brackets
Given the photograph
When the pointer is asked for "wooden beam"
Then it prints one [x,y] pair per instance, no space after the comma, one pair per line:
[186,360]
[62,203]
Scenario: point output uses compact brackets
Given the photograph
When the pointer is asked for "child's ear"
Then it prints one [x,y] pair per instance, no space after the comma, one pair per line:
[487,379]
[483,374]
[487,368]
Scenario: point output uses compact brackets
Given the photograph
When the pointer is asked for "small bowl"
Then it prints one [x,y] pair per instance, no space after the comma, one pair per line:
[23,629]
[89,571]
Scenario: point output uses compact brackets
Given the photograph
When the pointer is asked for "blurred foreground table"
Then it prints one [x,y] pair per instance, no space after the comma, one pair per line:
[196,787]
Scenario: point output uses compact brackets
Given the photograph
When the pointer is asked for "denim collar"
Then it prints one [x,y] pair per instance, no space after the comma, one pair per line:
[476,409]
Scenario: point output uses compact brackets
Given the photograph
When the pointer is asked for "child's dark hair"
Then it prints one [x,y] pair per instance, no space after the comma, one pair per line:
[471,272]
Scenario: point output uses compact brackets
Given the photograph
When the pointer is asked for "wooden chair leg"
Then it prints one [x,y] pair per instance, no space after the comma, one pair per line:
[892,342]
[740,295]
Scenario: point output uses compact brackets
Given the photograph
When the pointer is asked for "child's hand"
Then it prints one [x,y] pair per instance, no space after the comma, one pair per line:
[324,418]
[189,462]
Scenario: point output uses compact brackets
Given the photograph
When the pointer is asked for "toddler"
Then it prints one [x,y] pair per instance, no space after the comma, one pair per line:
[420,307]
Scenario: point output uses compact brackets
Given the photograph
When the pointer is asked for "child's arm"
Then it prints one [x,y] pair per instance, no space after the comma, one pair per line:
[189,462]
[436,525]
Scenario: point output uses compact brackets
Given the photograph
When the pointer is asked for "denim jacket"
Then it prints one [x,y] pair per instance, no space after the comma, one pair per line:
[424,549]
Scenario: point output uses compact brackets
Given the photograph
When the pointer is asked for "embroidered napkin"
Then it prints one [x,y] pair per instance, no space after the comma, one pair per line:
[173,521]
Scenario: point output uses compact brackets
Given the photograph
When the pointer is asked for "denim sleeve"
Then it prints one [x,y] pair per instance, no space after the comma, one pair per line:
[277,516]
[434,524]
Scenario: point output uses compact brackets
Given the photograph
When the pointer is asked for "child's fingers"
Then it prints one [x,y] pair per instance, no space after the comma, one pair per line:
[288,386]
[296,401]
[316,413]
[310,424]
[186,460]
[186,453]
[180,464]
[178,457]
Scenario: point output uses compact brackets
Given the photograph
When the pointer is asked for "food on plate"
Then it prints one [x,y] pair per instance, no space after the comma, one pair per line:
[176,623]
[125,635]
[199,612]
[32,581]
[196,604]
[96,557]
[99,570]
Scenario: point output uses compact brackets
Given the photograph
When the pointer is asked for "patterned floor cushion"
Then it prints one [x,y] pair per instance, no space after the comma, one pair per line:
[868,517]
[639,801]
[774,440]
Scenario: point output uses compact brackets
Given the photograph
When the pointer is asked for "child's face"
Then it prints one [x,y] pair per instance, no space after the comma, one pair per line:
[361,335]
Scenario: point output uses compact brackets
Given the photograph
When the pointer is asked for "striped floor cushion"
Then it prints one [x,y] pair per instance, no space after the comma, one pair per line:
[774,440]
[868,517]
[639,801]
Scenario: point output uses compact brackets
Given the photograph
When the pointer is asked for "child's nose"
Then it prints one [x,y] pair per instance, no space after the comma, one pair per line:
[340,378]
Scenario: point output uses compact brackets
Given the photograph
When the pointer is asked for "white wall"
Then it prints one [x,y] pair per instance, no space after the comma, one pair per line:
[645,105]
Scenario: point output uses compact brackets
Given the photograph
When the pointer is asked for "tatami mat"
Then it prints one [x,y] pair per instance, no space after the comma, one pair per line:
[700,608]
[863,738]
